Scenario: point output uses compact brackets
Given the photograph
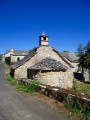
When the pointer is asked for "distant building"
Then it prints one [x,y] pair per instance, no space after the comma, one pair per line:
[14,55]
[74,60]
[46,65]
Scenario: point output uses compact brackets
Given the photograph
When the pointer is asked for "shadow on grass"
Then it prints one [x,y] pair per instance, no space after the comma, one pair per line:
[87,82]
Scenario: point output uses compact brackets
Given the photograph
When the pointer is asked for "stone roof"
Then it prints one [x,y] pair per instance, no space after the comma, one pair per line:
[28,57]
[63,58]
[49,64]
[25,59]
[72,57]
[18,52]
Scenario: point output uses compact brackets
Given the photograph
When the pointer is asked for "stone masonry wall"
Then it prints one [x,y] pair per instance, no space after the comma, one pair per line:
[14,58]
[55,78]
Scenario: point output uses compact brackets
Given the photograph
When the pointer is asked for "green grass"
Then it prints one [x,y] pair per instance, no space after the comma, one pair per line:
[30,89]
[11,80]
[12,63]
[82,87]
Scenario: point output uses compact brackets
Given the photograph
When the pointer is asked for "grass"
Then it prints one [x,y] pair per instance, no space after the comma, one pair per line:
[12,63]
[82,87]
[29,89]
[11,80]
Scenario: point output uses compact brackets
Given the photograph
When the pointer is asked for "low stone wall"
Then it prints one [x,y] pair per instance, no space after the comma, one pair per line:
[60,94]
[65,95]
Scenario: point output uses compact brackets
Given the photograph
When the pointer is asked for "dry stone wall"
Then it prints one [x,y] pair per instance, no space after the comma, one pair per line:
[57,78]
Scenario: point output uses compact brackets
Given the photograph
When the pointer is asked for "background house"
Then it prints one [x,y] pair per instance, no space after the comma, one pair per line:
[73,59]
[14,55]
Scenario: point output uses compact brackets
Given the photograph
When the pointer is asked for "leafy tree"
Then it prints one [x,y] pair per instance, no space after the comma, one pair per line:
[84,56]
[87,54]
[80,54]
[31,50]
[80,50]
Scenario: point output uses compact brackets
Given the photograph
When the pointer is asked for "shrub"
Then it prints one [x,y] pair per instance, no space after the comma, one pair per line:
[76,109]
[32,87]
[12,63]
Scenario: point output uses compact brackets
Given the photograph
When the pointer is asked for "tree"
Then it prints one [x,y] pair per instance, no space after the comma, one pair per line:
[84,57]
[87,54]
[31,50]
[80,50]
[80,54]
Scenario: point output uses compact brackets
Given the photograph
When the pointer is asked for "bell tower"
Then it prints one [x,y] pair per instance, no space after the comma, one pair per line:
[43,40]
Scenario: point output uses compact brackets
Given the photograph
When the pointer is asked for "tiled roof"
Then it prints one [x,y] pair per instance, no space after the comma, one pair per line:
[63,58]
[18,52]
[22,61]
[49,64]
[72,57]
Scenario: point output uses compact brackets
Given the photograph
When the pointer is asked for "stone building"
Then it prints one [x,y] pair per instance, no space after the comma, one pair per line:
[46,65]
[77,72]
[14,55]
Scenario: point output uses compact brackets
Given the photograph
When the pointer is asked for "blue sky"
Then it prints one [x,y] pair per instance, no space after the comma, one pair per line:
[66,22]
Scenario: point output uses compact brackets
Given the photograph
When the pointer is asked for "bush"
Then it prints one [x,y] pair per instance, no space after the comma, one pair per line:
[32,87]
[77,110]
[12,63]
[29,89]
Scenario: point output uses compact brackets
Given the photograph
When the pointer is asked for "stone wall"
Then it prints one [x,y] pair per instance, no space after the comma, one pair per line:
[55,78]
[62,95]
[42,52]
[65,96]
[14,58]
